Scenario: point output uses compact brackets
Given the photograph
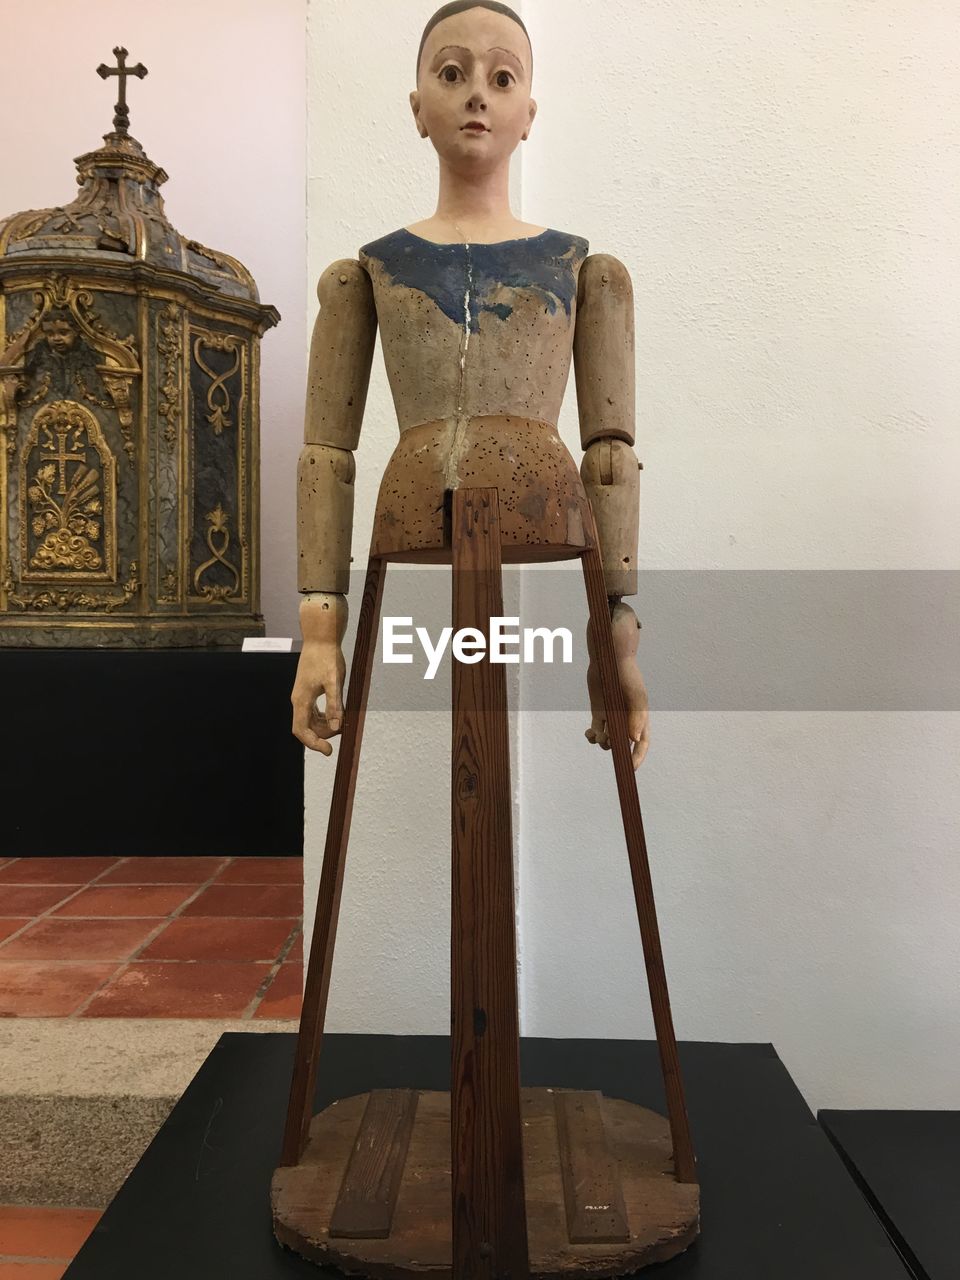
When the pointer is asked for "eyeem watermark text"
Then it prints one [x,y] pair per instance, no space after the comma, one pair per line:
[505,643]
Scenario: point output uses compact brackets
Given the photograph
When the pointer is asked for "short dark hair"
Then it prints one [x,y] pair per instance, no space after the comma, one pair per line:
[460,6]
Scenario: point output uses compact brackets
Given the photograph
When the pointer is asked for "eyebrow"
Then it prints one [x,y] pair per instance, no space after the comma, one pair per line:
[518,61]
[459,48]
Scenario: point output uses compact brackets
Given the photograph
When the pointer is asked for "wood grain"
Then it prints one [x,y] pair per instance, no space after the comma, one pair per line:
[368,1193]
[685,1160]
[662,1214]
[489,1220]
[317,986]
[591,1180]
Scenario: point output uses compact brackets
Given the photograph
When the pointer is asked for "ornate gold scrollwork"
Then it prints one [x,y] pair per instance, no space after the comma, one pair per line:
[120,368]
[229,266]
[219,521]
[32,224]
[169,586]
[12,383]
[170,390]
[218,397]
[40,601]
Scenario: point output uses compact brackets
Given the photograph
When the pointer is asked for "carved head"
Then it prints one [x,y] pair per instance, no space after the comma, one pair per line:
[59,330]
[474,76]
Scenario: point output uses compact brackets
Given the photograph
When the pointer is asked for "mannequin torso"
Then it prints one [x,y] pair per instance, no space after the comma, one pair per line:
[477,341]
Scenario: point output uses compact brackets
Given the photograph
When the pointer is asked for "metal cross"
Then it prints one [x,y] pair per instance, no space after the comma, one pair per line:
[121,121]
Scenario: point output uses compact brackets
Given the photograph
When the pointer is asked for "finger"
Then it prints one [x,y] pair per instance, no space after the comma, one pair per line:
[301,717]
[597,730]
[333,708]
[314,742]
[637,724]
[640,747]
[305,728]
[319,724]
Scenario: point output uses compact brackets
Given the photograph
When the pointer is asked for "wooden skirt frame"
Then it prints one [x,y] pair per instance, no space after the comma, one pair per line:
[489,1219]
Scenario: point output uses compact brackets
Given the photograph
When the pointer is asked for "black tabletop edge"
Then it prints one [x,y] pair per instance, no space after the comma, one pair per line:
[825,1118]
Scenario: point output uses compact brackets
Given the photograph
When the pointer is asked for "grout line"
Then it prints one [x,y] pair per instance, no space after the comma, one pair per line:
[25,1260]
[27,924]
[125,964]
[267,983]
[31,1260]
[43,915]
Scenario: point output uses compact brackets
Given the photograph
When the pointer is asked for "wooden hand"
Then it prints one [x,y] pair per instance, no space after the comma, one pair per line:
[321,670]
[626,637]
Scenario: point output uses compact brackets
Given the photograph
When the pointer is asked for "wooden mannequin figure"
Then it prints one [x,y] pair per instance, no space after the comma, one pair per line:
[480,316]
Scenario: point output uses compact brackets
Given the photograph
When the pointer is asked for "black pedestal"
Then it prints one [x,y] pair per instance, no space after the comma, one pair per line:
[777,1202]
[143,752]
[907,1164]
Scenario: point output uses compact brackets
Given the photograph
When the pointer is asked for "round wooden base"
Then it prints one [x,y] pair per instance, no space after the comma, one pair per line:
[662,1215]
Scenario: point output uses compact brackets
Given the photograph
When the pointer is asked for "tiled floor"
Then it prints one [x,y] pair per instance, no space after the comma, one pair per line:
[39,1244]
[150,938]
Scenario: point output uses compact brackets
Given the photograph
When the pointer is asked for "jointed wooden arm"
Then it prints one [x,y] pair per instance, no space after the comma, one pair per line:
[603,353]
[341,354]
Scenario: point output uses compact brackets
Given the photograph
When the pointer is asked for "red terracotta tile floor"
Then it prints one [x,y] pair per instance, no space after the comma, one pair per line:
[39,1244]
[149,938]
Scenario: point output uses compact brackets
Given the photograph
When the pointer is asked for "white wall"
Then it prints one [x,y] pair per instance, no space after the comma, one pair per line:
[780,176]
[223,111]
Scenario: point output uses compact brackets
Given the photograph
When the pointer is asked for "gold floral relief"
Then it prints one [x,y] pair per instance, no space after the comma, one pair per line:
[170,389]
[169,585]
[68,479]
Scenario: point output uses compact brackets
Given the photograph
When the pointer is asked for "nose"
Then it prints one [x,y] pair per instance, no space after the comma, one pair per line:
[478,99]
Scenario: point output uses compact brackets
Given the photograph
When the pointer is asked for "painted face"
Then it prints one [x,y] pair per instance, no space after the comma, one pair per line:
[60,335]
[473,90]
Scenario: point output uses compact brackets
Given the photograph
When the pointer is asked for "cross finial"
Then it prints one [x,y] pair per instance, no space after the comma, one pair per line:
[121,120]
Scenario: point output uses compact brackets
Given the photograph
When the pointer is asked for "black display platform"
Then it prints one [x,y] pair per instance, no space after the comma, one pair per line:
[777,1201]
[149,752]
[907,1164]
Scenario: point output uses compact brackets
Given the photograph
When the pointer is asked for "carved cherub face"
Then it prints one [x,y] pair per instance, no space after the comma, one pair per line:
[473,90]
[60,334]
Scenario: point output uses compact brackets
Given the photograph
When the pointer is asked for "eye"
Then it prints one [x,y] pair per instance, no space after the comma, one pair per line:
[503,79]
[450,73]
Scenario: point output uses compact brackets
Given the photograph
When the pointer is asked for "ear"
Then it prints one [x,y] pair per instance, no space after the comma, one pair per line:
[533,112]
[415,108]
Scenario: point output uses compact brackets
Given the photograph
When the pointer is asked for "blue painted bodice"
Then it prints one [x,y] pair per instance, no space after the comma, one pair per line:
[476,329]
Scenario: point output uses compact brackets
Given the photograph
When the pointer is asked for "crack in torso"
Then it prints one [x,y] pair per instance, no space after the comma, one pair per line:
[461,420]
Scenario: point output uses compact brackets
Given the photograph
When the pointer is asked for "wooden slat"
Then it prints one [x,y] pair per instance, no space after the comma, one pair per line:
[317,986]
[662,1212]
[371,1182]
[685,1163]
[489,1214]
[591,1178]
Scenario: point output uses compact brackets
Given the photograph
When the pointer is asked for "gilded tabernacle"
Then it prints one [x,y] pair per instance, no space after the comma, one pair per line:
[129,418]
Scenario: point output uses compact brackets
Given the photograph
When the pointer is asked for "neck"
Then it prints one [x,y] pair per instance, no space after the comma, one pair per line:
[474,199]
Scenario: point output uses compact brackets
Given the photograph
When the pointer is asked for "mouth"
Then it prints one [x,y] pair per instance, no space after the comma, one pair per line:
[474,126]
